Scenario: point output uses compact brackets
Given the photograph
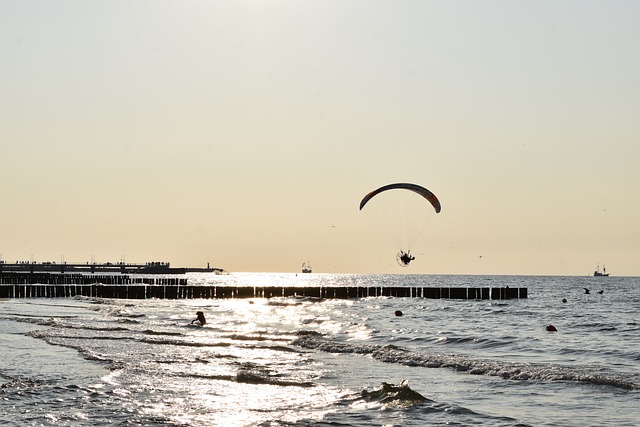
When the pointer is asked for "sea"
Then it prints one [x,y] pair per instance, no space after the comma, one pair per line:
[328,362]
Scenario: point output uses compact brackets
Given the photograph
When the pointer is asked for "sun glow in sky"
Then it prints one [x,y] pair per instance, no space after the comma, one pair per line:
[245,133]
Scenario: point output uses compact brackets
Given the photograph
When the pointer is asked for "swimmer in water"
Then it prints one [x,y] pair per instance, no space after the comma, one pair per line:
[200,318]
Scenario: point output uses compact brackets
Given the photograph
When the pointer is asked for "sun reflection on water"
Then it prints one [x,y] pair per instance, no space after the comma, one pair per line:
[239,369]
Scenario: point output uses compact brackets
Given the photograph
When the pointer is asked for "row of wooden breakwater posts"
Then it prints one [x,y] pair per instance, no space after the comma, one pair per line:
[126,287]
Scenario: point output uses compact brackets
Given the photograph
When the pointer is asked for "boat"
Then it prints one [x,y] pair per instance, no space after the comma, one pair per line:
[306,267]
[598,273]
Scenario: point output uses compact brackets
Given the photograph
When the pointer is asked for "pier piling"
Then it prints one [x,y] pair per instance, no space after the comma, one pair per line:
[46,285]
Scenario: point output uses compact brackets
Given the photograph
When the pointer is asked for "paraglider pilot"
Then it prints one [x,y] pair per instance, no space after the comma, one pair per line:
[406,257]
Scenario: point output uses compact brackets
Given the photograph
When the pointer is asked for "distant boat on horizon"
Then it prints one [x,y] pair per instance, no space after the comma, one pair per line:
[598,273]
[306,267]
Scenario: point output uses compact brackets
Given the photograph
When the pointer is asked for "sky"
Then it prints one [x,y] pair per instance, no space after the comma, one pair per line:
[245,133]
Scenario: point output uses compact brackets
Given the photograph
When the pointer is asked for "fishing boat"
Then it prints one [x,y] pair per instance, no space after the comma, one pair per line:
[306,267]
[598,273]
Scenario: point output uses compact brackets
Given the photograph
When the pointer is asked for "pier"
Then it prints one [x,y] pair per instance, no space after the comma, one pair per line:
[48,285]
[107,267]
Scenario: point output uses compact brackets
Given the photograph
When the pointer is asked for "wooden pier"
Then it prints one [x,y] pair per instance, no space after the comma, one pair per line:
[86,279]
[107,267]
[46,285]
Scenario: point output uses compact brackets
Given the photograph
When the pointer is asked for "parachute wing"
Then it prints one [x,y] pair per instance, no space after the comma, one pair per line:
[406,186]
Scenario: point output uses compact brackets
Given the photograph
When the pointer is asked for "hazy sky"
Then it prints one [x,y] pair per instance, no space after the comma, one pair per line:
[245,133]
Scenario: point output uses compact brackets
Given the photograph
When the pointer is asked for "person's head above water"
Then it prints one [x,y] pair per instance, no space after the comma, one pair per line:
[199,318]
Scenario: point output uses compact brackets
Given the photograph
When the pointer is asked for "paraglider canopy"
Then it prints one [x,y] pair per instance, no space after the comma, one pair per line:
[403,185]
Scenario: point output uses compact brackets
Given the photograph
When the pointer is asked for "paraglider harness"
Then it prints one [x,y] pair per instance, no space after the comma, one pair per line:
[404,258]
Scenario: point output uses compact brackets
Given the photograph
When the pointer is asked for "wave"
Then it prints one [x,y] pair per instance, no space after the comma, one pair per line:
[257,377]
[483,343]
[397,394]
[15,383]
[251,374]
[165,333]
[183,343]
[243,345]
[55,321]
[252,377]
[506,370]
[128,321]
[409,404]
[96,328]
[151,337]
[255,337]
[284,302]
[85,352]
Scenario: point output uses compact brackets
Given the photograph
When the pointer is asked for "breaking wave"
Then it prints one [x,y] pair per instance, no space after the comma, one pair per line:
[398,394]
[462,363]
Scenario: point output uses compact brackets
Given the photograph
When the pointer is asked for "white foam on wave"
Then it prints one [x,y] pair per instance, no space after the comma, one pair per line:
[463,363]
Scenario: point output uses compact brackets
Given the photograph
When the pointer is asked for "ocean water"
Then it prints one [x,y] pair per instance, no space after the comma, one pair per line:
[311,362]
